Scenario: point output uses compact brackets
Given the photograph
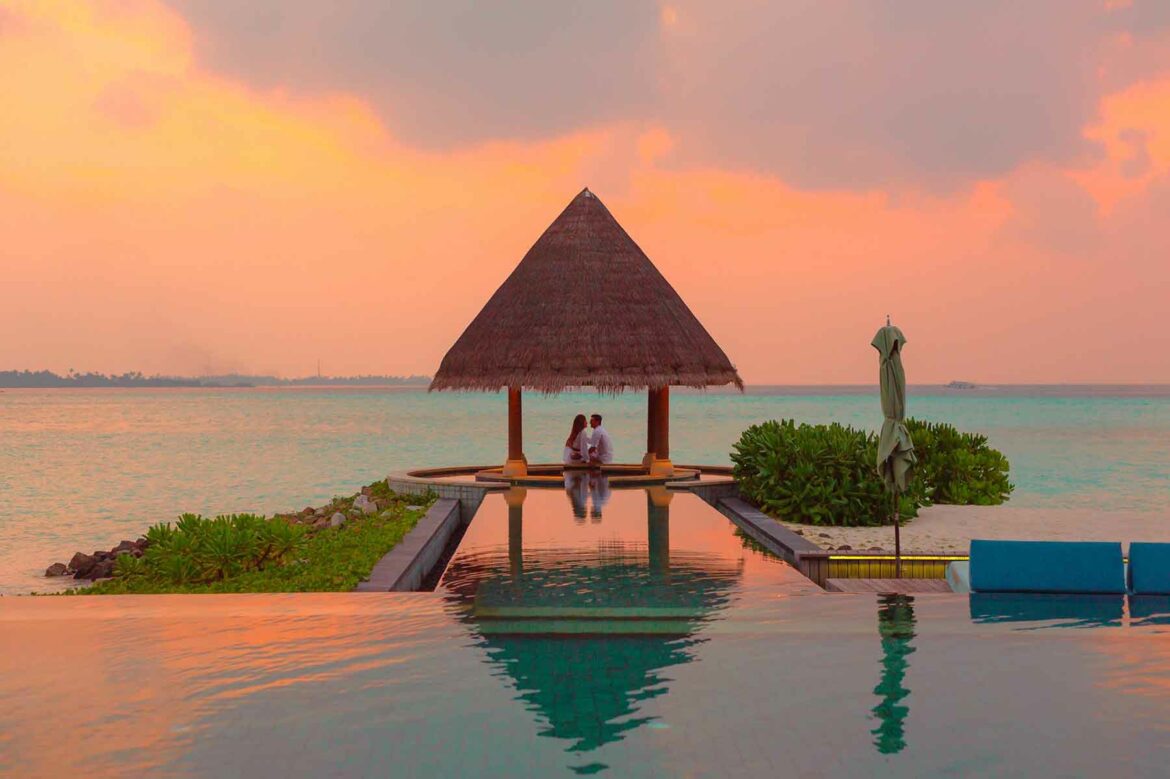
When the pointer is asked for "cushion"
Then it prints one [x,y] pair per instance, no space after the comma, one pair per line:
[1047,566]
[1149,568]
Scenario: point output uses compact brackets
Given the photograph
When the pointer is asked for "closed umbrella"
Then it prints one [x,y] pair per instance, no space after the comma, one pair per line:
[895,457]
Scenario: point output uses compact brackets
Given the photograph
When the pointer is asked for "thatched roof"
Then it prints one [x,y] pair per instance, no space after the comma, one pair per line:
[585,307]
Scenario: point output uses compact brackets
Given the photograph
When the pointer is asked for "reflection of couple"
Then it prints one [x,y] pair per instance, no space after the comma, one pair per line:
[584,447]
[581,486]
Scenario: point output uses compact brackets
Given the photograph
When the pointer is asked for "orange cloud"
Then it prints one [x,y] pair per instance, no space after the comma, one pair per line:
[159,216]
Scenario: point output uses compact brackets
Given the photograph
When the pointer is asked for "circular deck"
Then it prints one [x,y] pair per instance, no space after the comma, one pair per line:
[553,475]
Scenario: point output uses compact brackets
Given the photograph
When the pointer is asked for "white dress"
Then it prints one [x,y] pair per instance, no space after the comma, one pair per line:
[580,445]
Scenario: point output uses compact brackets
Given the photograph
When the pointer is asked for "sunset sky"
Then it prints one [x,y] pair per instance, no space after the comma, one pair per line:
[206,185]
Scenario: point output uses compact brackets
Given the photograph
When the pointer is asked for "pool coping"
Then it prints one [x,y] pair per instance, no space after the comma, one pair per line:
[404,567]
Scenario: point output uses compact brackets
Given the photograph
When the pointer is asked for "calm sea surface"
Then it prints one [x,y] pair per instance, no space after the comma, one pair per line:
[83,469]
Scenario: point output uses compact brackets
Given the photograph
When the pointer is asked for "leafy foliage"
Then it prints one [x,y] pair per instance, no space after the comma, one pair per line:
[957,467]
[197,550]
[817,474]
[826,474]
[247,553]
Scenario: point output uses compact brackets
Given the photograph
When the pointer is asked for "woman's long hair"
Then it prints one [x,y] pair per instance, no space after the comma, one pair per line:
[578,426]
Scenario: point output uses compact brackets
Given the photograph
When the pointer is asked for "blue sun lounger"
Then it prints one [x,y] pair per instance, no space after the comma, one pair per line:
[1070,567]
[1149,568]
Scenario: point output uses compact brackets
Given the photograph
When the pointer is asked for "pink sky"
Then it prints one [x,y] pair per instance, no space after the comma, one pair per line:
[187,187]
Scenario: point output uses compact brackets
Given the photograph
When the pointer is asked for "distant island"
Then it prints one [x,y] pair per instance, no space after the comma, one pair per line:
[50,380]
[961,385]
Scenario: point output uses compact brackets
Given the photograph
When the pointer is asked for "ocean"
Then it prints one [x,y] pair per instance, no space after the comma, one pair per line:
[81,469]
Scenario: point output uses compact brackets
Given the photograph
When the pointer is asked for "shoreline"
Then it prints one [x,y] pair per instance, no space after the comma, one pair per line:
[950,529]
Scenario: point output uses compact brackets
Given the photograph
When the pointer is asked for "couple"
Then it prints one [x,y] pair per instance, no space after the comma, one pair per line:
[585,448]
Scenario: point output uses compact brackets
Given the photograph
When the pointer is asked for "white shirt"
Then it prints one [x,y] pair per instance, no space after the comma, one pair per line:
[581,445]
[600,439]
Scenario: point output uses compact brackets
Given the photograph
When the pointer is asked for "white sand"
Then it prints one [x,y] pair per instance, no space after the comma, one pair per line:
[951,528]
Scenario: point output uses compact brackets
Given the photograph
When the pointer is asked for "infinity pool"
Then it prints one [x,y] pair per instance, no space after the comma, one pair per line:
[638,637]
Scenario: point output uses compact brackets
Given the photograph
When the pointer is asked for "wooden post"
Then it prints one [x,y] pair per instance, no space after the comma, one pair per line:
[662,464]
[651,428]
[516,465]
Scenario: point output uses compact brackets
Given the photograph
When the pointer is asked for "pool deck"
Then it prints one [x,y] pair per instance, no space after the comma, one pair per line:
[405,567]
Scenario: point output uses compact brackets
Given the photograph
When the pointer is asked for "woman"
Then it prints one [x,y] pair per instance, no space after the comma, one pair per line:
[577,444]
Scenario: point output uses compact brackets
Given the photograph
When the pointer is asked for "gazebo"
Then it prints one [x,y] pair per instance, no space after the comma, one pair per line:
[586,308]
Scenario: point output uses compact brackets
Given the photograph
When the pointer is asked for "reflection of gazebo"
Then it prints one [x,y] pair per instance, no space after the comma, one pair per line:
[586,307]
[585,634]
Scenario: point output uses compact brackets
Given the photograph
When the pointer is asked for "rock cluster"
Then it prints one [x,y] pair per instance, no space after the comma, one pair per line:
[99,565]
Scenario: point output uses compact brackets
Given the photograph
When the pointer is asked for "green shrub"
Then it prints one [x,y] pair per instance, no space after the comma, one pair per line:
[826,474]
[253,554]
[958,468]
[197,550]
[816,474]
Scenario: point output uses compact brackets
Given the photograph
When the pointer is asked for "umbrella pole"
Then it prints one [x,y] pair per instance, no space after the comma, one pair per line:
[897,539]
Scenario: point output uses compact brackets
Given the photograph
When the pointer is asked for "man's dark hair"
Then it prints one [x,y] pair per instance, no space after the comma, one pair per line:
[596,416]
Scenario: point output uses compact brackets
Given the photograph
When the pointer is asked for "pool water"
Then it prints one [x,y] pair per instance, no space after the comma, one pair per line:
[638,637]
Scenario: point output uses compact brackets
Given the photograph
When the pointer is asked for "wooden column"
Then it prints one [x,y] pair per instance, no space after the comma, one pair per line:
[662,464]
[651,427]
[516,465]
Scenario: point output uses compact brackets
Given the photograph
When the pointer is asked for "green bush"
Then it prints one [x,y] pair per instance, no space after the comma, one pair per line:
[958,468]
[264,555]
[197,550]
[816,474]
[826,474]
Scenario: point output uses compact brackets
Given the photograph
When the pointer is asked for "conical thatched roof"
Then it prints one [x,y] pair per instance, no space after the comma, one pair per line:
[585,307]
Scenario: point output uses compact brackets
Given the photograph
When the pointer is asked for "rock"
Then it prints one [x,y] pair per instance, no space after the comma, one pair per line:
[365,491]
[824,535]
[307,510]
[845,548]
[337,520]
[321,512]
[876,549]
[57,569]
[124,546]
[365,504]
[322,522]
[798,532]
[80,563]
[102,570]
[414,508]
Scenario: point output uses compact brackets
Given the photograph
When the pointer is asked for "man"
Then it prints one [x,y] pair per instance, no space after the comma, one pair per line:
[600,444]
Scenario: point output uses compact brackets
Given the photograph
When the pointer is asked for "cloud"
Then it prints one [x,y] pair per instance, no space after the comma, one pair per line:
[450,73]
[826,95]
[149,202]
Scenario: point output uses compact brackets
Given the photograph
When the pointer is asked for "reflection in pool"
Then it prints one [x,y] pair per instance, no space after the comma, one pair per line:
[585,619]
[648,643]
[896,628]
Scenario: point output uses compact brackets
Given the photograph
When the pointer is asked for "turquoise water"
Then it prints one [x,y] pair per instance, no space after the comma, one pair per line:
[635,638]
[83,469]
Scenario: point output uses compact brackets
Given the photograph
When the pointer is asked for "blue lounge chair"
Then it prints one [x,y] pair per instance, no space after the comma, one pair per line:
[1149,568]
[1074,567]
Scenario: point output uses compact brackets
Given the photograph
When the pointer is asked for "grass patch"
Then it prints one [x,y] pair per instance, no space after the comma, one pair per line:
[234,554]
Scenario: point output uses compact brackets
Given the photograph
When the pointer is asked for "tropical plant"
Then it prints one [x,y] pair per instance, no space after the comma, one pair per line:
[816,474]
[826,474]
[199,550]
[957,467]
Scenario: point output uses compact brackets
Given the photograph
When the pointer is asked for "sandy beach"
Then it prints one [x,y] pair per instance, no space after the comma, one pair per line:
[951,528]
